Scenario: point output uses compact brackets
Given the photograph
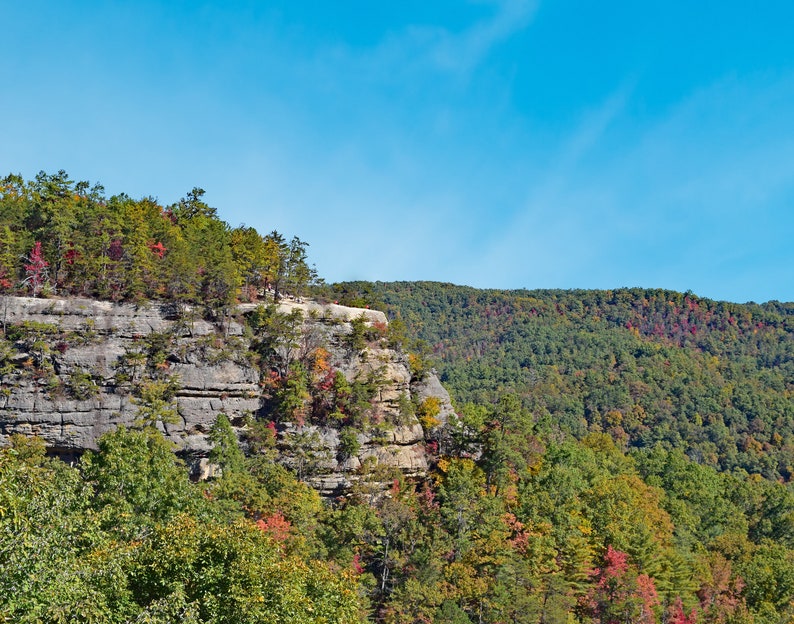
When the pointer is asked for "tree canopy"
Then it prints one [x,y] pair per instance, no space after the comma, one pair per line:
[67,237]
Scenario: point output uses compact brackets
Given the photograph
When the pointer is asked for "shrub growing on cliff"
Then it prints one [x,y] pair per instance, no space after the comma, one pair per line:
[428,411]
[356,340]
[36,339]
[419,362]
[225,451]
[155,400]
[349,446]
[305,452]
[81,385]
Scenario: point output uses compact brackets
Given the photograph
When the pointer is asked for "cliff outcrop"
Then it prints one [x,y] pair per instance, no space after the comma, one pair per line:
[72,369]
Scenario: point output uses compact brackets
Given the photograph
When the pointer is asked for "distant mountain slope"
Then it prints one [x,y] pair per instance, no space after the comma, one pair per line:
[648,366]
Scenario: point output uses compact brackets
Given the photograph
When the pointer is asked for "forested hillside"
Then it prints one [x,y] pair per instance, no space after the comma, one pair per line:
[651,423]
[648,367]
[617,456]
[128,538]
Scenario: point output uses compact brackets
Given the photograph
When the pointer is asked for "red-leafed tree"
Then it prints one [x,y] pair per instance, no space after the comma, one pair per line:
[276,526]
[721,594]
[158,249]
[678,616]
[619,593]
[36,269]
[5,283]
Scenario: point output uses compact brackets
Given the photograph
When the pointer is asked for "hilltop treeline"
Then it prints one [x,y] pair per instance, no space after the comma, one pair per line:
[66,237]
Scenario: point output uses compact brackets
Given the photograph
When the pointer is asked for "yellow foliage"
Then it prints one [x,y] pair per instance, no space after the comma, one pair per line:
[613,418]
[427,412]
[320,364]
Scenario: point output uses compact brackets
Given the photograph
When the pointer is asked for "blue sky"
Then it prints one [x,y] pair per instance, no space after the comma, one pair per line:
[502,144]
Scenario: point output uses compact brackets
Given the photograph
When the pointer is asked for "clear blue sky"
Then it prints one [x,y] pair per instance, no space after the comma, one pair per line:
[492,143]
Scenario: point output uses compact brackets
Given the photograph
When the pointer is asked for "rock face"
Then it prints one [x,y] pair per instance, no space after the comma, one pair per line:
[68,369]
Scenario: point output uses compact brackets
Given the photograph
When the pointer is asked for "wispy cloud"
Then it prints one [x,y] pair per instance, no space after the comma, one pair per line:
[553,228]
[726,145]
[592,127]
[421,47]
[460,52]
[699,197]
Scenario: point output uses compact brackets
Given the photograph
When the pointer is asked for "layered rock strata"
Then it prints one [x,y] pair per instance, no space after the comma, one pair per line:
[66,373]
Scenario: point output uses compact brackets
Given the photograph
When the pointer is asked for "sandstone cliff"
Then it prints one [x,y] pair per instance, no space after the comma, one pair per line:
[69,368]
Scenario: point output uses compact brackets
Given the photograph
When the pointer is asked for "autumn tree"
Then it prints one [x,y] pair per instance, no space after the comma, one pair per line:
[620,594]
[36,269]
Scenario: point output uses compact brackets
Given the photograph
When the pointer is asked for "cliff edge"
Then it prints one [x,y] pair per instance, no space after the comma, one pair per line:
[324,380]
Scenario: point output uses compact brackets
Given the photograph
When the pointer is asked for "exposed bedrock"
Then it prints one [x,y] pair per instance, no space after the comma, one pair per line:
[69,366]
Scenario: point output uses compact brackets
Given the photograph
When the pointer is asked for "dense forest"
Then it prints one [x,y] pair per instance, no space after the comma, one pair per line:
[63,237]
[692,396]
[617,456]
[648,367]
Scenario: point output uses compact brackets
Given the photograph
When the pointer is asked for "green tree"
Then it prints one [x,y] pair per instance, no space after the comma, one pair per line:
[137,480]
[277,337]
[298,275]
[509,446]
[10,252]
[275,266]
[234,573]
[155,400]
[250,256]
[55,563]
[226,451]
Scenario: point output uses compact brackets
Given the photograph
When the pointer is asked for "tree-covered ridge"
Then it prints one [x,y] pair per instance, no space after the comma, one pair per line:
[714,379]
[57,235]
[659,512]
